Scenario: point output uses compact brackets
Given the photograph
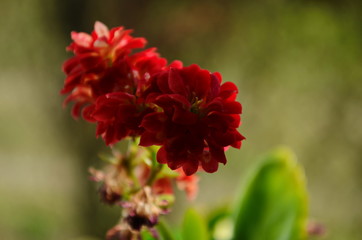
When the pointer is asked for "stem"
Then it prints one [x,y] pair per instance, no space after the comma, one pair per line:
[130,164]
[155,168]
[154,173]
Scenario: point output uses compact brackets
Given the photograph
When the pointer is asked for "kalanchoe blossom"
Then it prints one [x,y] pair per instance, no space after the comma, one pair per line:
[103,63]
[164,184]
[99,65]
[197,118]
[189,184]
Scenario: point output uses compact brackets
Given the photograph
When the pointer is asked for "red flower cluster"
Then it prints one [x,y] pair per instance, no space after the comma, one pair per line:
[185,110]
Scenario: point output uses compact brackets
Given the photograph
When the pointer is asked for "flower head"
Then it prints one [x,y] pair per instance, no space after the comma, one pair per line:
[197,118]
[104,63]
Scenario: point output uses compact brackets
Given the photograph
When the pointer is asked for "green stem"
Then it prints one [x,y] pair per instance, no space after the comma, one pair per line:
[155,170]
[129,165]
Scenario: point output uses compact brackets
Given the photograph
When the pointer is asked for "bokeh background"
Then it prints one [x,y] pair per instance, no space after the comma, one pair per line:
[298,65]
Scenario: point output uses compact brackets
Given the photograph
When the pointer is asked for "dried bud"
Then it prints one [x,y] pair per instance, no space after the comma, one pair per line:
[96,175]
[136,222]
[108,194]
[143,210]
[114,180]
[120,232]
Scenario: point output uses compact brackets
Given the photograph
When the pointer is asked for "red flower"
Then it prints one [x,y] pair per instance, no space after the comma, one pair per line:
[163,185]
[189,184]
[100,64]
[197,118]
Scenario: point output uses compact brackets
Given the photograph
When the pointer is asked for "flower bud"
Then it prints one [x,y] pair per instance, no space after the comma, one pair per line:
[120,232]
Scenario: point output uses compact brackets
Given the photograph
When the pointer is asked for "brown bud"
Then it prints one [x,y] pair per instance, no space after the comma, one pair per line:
[120,232]
[136,222]
[143,210]
[108,194]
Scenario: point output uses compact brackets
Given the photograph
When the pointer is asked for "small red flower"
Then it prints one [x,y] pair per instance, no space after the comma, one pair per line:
[189,184]
[100,64]
[196,118]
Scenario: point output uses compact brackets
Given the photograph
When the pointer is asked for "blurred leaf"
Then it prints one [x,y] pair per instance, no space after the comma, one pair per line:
[216,215]
[164,231]
[194,226]
[146,235]
[223,229]
[273,203]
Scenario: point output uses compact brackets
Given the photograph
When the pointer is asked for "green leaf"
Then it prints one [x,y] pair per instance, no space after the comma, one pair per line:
[216,215]
[146,235]
[165,231]
[194,226]
[273,203]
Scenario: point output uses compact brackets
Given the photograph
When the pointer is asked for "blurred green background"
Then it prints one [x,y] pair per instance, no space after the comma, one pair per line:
[298,65]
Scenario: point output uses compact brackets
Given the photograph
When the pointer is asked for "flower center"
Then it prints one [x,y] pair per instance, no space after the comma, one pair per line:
[195,105]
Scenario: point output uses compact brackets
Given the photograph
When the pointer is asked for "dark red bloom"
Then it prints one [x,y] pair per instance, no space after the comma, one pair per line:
[196,118]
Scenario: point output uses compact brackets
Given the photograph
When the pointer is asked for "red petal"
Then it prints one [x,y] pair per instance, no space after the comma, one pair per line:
[136,43]
[190,166]
[101,128]
[215,85]
[90,60]
[70,64]
[87,113]
[176,83]
[184,117]
[76,110]
[176,64]
[197,79]
[162,155]
[228,90]
[149,139]
[154,122]
[218,154]
[70,83]
[162,82]
[232,107]
[109,135]
[209,164]
[227,138]
[168,100]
